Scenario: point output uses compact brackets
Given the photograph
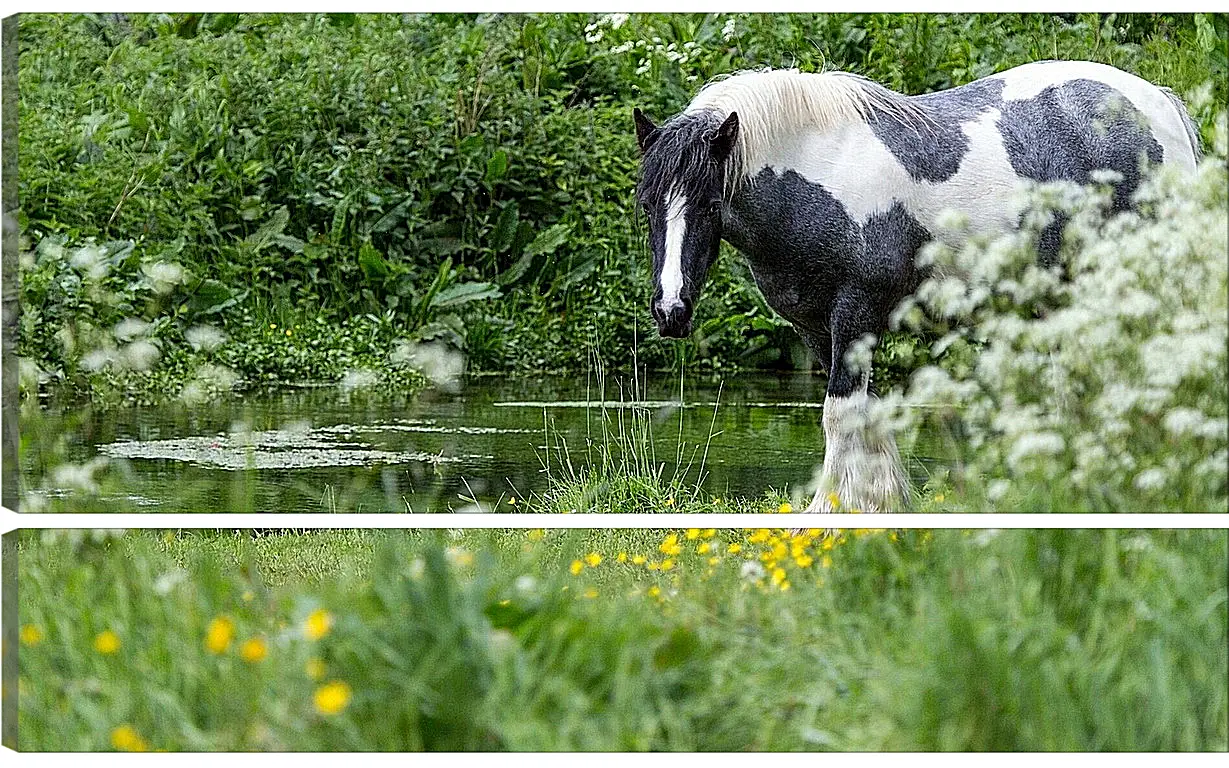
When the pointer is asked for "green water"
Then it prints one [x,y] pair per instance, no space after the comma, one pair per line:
[324,449]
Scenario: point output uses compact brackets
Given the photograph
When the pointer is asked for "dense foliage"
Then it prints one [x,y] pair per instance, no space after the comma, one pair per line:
[424,177]
[686,640]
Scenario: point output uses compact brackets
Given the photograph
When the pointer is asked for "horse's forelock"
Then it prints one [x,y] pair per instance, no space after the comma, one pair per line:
[679,158]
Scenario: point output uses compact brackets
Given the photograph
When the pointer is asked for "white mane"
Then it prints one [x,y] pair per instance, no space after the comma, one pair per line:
[773,103]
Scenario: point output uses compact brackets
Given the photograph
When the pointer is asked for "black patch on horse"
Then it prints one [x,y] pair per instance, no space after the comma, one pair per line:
[1072,129]
[931,148]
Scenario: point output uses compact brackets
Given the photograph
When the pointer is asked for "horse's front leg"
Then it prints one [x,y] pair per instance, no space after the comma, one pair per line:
[862,467]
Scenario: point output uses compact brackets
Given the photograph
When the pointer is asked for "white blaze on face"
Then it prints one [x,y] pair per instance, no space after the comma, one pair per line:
[672,268]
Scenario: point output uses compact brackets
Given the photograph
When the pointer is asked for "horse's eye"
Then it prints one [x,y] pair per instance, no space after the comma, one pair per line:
[714,206]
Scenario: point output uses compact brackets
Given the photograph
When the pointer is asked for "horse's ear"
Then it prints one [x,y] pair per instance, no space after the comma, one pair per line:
[646,132]
[723,141]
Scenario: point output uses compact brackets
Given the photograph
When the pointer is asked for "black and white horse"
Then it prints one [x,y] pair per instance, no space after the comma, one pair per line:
[829,184]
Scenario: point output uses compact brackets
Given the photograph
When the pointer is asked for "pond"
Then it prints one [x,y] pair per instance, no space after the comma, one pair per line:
[325,449]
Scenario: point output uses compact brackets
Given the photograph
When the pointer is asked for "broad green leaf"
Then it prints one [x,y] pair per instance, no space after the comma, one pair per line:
[505,228]
[463,293]
[496,167]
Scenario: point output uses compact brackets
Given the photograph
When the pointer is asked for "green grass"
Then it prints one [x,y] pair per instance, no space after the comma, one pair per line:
[515,640]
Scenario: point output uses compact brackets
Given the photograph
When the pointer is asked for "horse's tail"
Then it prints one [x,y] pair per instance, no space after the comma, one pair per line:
[1192,133]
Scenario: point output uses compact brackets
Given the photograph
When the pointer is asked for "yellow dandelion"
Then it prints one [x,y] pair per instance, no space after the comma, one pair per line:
[287,331]
[272,326]
[671,545]
[622,558]
[939,498]
[704,548]
[734,549]
[709,533]
[639,560]
[126,739]
[760,536]
[590,593]
[317,624]
[785,508]
[253,650]
[535,534]
[593,559]
[512,501]
[785,585]
[804,560]
[667,564]
[332,697]
[778,575]
[577,567]
[654,591]
[314,668]
[31,635]
[670,502]
[654,566]
[693,533]
[106,642]
[219,634]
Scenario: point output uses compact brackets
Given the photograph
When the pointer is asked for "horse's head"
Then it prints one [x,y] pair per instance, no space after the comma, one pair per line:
[681,191]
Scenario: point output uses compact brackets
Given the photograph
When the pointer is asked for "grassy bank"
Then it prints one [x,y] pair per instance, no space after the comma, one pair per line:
[190,181]
[624,640]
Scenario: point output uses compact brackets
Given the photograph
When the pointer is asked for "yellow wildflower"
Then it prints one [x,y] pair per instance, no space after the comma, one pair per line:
[314,668]
[576,567]
[670,502]
[593,559]
[804,560]
[332,697]
[760,536]
[248,596]
[939,497]
[639,560]
[654,591]
[834,500]
[693,533]
[512,501]
[704,548]
[106,642]
[734,549]
[709,533]
[671,545]
[126,739]
[778,575]
[622,558]
[253,650]
[535,534]
[714,560]
[317,624]
[590,593]
[785,508]
[219,634]
[667,564]
[31,635]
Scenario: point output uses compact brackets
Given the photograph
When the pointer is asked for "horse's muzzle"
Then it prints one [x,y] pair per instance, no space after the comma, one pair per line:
[675,322]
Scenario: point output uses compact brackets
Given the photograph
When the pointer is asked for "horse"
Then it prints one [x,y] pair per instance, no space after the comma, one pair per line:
[828,184]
